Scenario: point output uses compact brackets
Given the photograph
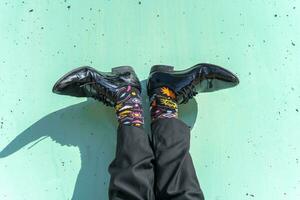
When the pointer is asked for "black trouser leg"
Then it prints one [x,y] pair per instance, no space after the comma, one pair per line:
[132,172]
[174,171]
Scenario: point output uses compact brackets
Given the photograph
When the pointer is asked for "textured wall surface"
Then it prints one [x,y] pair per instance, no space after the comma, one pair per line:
[245,141]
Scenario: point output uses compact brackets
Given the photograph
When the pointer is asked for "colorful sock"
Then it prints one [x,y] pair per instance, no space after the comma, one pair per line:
[129,106]
[163,104]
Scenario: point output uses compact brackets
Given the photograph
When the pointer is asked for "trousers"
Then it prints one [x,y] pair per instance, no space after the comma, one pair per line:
[154,167]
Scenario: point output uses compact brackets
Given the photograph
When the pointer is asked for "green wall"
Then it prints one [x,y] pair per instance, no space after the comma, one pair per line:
[245,140]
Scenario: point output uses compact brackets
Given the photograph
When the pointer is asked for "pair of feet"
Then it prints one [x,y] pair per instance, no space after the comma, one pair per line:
[166,88]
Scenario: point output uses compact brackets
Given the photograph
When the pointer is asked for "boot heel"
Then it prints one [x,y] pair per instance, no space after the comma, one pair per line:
[122,69]
[162,68]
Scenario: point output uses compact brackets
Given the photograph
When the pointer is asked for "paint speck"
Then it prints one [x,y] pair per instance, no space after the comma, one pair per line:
[275,15]
[42,27]
[157,15]
[140,2]
[293,43]
[297,110]
[69,7]
[251,195]
[31,10]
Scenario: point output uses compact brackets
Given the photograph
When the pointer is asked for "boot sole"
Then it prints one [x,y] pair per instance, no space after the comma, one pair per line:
[166,68]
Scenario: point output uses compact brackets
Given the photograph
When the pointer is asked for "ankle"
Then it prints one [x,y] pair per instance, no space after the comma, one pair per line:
[163,104]
[128,106]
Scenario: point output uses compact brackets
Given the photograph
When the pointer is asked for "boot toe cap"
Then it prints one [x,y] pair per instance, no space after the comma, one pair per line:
[69,84]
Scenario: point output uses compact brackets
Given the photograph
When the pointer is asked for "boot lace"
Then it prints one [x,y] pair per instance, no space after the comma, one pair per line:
[101,94]
[187,93]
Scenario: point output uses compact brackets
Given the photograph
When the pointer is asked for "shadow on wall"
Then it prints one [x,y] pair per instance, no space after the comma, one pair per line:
[91,127]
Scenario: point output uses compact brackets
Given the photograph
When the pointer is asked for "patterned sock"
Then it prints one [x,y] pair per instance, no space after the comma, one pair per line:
[163,104]
[129,107]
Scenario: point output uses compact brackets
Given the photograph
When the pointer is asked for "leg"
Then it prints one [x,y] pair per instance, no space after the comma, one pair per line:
[176,176]
[174,171]
[132,174]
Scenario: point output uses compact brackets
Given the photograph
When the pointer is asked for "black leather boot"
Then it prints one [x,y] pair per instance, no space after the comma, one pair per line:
[102,86]
[187,83]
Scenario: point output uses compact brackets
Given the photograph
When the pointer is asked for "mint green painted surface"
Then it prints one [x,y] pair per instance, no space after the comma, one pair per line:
[245,141]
